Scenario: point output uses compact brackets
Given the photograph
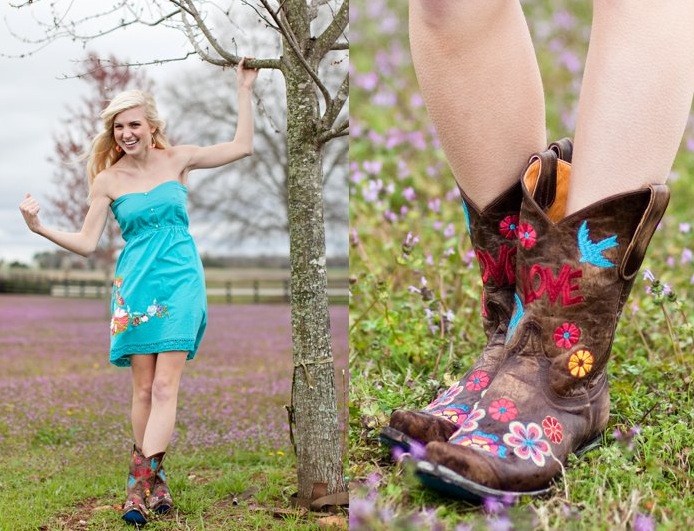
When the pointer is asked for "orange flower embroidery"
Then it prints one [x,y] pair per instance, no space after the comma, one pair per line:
[580,363]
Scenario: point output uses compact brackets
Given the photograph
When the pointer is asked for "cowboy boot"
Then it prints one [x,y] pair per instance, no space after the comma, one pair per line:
[550,398]
[138,489]
[159,500]
[493,235]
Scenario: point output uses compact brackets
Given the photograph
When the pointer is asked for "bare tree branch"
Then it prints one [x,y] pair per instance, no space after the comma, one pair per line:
[333,110]
[328,38]
[193,11]
[229,59]
[291,39]
[111,64]
[341,129]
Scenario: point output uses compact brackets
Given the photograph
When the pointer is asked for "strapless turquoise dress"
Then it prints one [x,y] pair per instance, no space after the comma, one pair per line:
[159,302]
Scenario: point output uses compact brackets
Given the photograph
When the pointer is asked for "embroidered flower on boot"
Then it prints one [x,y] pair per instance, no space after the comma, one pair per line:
[527,442]
[580,363]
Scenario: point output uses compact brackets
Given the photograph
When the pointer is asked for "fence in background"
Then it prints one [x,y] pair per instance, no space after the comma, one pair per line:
[237,291]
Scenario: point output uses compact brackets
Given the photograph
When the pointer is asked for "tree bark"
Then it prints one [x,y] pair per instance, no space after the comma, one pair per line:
[314,404]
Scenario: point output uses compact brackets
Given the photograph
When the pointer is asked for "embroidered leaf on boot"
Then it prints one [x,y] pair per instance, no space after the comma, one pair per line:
[515,318]
[467,214]
[592,252]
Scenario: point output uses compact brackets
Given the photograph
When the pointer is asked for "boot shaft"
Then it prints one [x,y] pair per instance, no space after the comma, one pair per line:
[574,273]
[493,237]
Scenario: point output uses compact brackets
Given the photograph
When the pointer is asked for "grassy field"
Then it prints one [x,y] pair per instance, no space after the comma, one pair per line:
[414,311]
[65,434]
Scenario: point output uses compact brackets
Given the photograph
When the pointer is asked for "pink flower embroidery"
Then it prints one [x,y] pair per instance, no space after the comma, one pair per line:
[503,410]
[446,397]
[485,442]
[477,381]
[456,415]
[527,442]
[119,321]
[566,335]
[471,422]
[526,235]
[553,430]
[508,226]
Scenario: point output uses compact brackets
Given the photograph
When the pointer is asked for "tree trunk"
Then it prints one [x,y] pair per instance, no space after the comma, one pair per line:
[320,466]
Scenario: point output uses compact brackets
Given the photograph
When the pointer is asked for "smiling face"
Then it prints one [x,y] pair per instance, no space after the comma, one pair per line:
[132,132]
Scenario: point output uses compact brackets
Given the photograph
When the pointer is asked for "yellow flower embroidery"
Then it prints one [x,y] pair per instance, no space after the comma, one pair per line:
[580,363]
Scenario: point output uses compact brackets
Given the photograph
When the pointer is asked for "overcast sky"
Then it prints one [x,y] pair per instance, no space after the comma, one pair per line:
[34,104]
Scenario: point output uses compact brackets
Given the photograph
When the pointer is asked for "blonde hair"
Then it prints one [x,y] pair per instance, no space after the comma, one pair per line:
[102,153]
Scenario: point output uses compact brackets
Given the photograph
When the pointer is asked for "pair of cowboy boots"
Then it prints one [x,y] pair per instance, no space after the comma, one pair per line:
[539,390]
[146,482]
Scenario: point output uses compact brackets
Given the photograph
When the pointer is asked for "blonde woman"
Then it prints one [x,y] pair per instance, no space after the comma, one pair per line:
[158,302]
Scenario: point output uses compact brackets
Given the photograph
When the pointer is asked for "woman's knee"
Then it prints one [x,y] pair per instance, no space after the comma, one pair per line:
[164,389]
[456,15]
[142,391]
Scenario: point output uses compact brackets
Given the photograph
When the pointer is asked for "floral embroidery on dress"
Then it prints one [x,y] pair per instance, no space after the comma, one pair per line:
[486,442]
[527,442]
[508,226]
[477,381]
[526,235]
[566,335]
[503,410]
[580,363]
[123,317]
[553,430]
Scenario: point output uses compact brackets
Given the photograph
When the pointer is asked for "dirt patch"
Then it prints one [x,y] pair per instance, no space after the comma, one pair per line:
[78,518]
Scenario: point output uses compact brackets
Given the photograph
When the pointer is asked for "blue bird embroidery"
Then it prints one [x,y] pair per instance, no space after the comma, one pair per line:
[592,252]
[515,318]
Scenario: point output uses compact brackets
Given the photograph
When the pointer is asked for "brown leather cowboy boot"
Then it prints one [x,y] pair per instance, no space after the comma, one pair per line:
[159,500]
[138,489]
[493,233]
[493,236]
[550,398]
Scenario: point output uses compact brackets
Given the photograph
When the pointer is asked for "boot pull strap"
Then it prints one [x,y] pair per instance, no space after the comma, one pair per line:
[564,149]
[660,196]
[546,186]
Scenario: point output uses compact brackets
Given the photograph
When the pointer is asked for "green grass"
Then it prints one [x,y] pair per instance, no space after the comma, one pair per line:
[633,480]
[54,488]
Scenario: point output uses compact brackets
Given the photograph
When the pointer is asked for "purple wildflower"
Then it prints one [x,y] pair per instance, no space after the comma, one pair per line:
[435,205]
[372,167]
[409,194]
[643,523]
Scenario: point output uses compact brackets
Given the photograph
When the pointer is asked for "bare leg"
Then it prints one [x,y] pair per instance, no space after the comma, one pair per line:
[167,377]
[479,77]
[636,95]
[143,375]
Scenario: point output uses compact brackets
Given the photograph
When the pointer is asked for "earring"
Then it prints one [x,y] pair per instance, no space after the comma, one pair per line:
[119,149]
[154,144]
